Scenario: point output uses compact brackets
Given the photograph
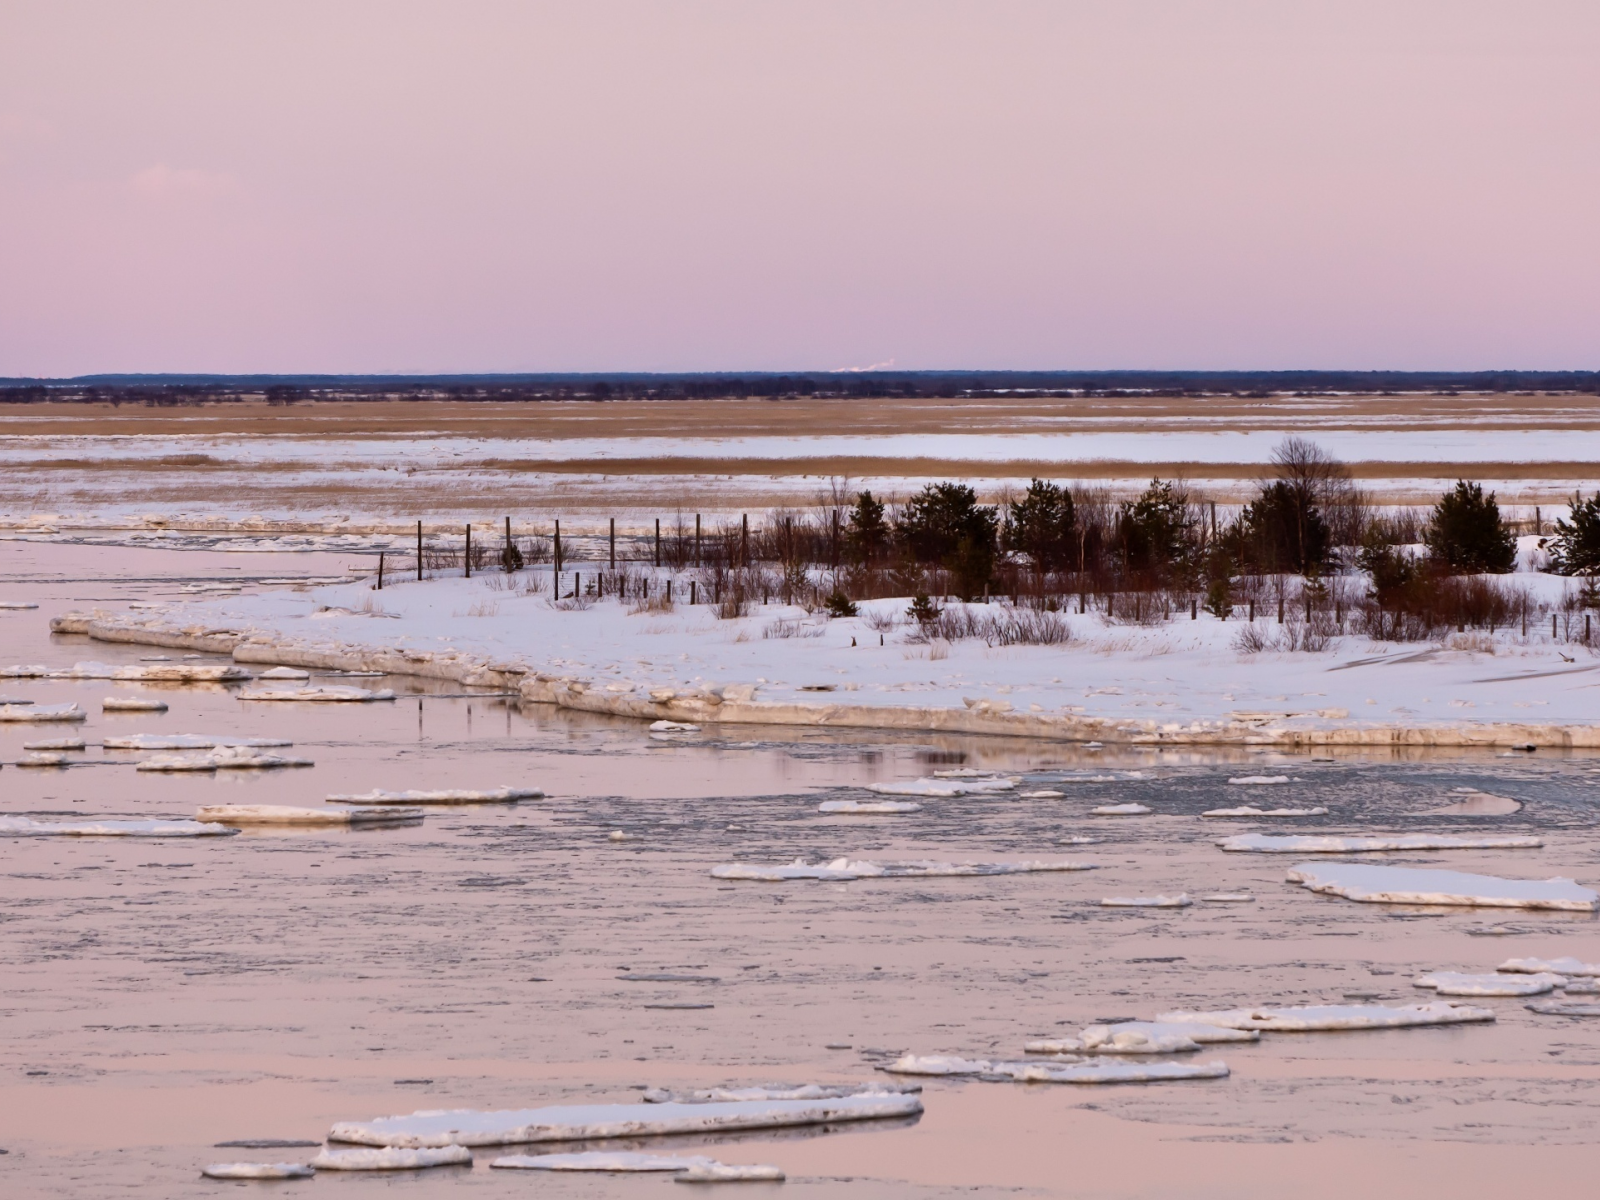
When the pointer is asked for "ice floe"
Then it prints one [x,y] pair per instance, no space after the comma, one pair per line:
[187,741]
[283,814]
[600,1160]
[64,743]
[500,795]
[248,1170]
[1119,810]
[164,673]
[775,1091]
[1043,794]
[1181,900]
[334,693]
[1248,811]
[1228,898]
[673,727]
[1104,1071]
[561,1123]
[16,605]
[1286,843]
[938,1064]
[132,704]
[866,808]
[846,869]
[719,1172]
[40,713]
[1474,803]
[1408,885]
[1558,966]
[1315,1018]
[223,758]
[1140,1037]
[1456,983]
[392,1158]
[46,758]
[1259,779]
[1564,1008]
[23,826]
[285,673]
[944,787]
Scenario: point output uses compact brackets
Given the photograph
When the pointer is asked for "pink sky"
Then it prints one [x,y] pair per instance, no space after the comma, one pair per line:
[470,185]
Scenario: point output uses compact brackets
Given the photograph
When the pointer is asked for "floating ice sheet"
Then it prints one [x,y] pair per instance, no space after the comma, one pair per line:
[1316,1018]
[717,1172]
[187,741]
[223,758]
[776,1091]
[471,1127]
[63,743]
[938,1064]
[132,704]
[846,869]
[1139,1037]
[248,1170]
[1456,983]
[23,826]
[285,673]
[1043,794]
[16,605]
[943,787]
[868,808]
[1564,1008]
[164,673]
[673,727]
[1103,1071]
[1181,900]
[1228,898]
[1119,810]
[1248,811]
[48,758]
[600,1160]
[1407,885]
[500,795]
[1558,966]
[1272,843]
[392,1158]
[282,814]
[41,712]
[333,693]
[1258,779]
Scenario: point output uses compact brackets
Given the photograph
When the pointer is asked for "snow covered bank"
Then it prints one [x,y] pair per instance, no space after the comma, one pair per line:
[1177,681]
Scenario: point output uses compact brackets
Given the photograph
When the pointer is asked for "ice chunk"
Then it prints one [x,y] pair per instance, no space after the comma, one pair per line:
[1407,885]
[964,773]
[673,727]
[1259,779]
[1286,843]
[561,1123]
[1157,1037]
[1248,811]
[65,743]
[500,795]
[46,759]
[285,673]
[777,1091]
[16,605]
[1558,966]
[333,693]
[1477,804]
[30,671]
[282,814]
[1181,900]
[717,1172]
[391,1158]
[937,1064]
[1319,1017]
[944,787]
[42,712]
[165,673]
[225,758]
[1119,810]
[186,741]
[246,1170]
[132,704]
[24,827]
[1564,1008]
[868,807]
[1228,898]
[845,869]
[1106,1071]
[1456,983]
[600,1160]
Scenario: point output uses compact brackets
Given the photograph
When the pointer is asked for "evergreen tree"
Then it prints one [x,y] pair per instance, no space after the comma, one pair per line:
[1575,548]
[866,535]
[1466,534]
[1153,532]
[1043,526]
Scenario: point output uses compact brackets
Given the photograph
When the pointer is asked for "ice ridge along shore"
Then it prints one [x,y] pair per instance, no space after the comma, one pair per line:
[584,688]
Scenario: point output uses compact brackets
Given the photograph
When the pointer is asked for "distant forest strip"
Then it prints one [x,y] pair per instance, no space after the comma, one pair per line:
[183,390]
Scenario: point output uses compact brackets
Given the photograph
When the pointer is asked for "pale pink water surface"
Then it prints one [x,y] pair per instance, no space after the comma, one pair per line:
[161,996]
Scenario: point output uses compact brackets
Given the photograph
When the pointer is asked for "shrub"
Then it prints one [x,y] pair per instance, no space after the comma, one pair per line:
[840,605]
[922,610]
[1466,535]
[1043,525]
[1575,548]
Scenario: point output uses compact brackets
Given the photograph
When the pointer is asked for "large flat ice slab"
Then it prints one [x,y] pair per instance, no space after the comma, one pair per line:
[38,713]
[868,808]
[392,1158]
[1316,1018]
[159,673]
[1286,843]
[559,1123]
[283,814]
[601,1160]
[187,741]
[1557,966]
[944,787]
[249,1170]
[1409,885]
[500,795]
[774,1091]
[1099,1071]
[846,869]
[24,827]
[1181,900]
[1140,1037]
[1458,983]
[1250,811]
[332,694]
[223,758]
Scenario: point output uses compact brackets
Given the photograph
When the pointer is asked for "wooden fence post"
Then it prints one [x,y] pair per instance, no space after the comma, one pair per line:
[658,542]
[698,561]
[380,578]
[419,551]
[467,557]
[558,548]
[613,543]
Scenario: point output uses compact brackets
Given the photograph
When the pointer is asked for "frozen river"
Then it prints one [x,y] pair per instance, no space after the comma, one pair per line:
[163,996]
